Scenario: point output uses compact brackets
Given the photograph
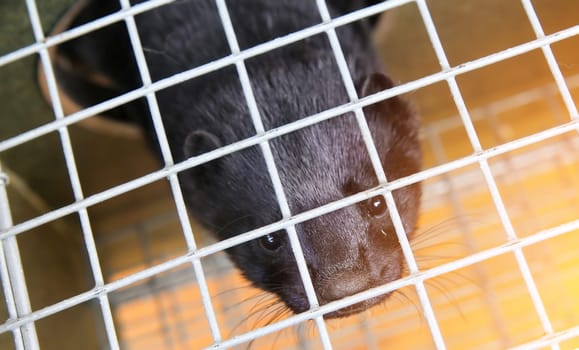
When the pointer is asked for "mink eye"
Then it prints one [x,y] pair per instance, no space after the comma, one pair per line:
[271,242]
[376,206]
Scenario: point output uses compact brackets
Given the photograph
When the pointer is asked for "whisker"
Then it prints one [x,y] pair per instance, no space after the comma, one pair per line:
[450,298]
[444,224]
[234,289]
[253,313]
[399,293]
[273,315]
[438,244]
[429,261]
[441,228]
[469,279]
[259,296]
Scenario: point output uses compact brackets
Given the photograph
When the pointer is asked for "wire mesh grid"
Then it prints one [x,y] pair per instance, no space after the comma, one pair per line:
[452,177]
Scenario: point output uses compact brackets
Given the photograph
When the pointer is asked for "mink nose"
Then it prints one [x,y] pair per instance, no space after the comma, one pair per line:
[371,270]
[343,284]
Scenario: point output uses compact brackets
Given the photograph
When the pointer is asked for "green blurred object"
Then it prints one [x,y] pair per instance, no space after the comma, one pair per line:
[24,108]
[53,257]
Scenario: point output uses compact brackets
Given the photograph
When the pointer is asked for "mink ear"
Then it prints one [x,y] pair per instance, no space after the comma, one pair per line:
[374,83]
[396,125]
[198,142]
[377,82]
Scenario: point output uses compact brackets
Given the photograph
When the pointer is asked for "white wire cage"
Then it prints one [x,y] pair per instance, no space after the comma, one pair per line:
[453,174]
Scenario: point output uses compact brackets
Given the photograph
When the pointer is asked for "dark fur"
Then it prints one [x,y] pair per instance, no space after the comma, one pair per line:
[346,251]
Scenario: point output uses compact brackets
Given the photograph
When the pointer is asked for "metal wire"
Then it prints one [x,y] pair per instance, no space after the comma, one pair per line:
[491,183]
[288,39]
[298,218]
[551,61]
[273,174]
[17,301]
[173,180]
[22,318]
[73,175]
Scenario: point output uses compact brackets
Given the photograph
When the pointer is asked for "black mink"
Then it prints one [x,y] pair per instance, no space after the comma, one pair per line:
[346,251]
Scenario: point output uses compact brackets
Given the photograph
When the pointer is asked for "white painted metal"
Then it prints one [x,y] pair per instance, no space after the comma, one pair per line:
[22,318]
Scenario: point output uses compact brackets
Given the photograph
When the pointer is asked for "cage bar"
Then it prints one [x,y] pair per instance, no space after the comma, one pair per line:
[13,282]
[273,173]
[293,320]
[73,175]
[435,143]
[339,204]
[173,180]
[551,61]
[381,175]
[271,45]
[21,317]
[491,183]
[550,339]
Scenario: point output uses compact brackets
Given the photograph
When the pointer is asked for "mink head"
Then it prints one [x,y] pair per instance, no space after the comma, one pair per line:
[346,251]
